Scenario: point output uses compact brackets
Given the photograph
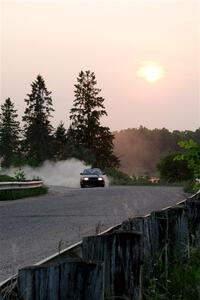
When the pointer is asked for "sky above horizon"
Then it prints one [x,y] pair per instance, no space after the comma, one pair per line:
[114,39]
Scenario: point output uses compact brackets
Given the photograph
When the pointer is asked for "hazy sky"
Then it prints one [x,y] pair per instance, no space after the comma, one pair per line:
[59,38]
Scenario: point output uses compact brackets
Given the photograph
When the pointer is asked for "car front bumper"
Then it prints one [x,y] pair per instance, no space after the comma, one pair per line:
[92,182]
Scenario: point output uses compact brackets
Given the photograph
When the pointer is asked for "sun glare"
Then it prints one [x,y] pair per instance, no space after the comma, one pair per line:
[150,71]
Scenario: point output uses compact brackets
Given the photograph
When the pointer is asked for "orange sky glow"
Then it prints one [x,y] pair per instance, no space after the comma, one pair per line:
[145,54]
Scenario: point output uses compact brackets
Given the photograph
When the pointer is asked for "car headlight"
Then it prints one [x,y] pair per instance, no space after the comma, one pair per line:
[85,178]
[100,178]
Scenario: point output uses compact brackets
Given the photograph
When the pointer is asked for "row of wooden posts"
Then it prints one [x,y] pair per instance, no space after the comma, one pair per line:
[116,265]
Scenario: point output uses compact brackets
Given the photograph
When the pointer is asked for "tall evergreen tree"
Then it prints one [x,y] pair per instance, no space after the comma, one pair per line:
[9,133]
[38,143]
[92,142]
[61,148]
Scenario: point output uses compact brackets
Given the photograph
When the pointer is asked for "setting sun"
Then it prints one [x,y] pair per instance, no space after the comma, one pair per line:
[151,71]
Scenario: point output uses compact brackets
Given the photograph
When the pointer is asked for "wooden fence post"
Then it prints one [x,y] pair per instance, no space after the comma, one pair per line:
[165,233]
[193,210]
[153,229]
[71,280]
[178,232]
[121,254]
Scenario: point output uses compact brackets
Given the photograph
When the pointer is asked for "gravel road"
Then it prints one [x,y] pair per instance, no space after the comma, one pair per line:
[31,229]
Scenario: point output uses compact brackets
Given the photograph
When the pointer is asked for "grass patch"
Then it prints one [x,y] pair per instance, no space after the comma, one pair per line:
[183,282]
[19,194]
[4,178]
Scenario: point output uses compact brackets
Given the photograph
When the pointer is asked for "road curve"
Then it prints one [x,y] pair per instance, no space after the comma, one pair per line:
[32,228]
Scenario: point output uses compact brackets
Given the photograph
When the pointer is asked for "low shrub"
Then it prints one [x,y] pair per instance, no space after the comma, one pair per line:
[20,175]
[118,177]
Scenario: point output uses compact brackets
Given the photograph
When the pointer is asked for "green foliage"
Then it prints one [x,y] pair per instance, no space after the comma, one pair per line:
[89,141]
[18,194]
[173,170]
[191,187]
[191,156]
[9,134]
[20,175]
[38,143]
[183,282]
[117,177]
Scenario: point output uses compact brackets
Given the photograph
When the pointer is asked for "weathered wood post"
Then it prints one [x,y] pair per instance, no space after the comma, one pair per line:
[178,232]
[153,228]
[121,254]
[71,280]
[193,210]
[165,234]
[161,227]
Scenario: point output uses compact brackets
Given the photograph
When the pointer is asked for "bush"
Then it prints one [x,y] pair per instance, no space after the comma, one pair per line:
[20,175]
[118,177]
[173,170]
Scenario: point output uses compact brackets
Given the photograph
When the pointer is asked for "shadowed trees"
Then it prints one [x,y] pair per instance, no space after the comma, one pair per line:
[9,134]
[38,139]
[61,145]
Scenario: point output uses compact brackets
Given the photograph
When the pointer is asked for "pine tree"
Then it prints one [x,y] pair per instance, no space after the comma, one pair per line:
[9,134]
[61,148]
[92,142]
[39,142]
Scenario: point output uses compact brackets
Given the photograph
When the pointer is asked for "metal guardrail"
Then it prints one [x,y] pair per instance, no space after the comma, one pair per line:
[20,185]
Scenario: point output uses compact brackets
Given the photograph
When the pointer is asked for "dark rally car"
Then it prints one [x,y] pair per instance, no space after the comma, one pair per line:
[92,177]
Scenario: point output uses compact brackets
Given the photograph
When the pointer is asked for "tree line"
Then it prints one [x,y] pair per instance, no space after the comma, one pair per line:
[36,140]
[141,149]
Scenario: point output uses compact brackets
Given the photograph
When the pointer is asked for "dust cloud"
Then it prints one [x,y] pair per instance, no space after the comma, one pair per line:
[62,173]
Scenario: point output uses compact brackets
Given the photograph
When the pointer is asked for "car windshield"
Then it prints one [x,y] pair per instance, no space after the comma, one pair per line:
[92,172]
